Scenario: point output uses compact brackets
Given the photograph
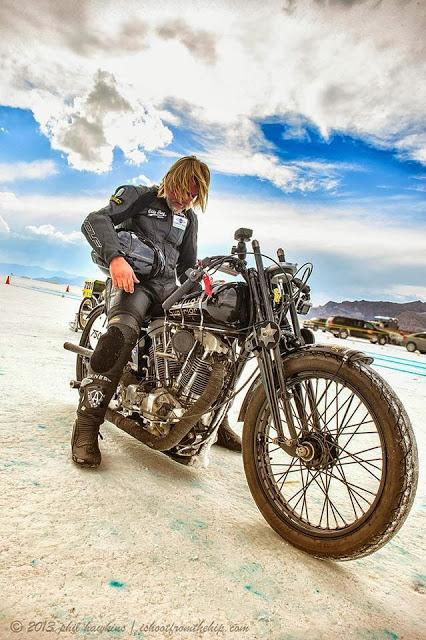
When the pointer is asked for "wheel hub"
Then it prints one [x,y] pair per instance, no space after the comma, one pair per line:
[317,451]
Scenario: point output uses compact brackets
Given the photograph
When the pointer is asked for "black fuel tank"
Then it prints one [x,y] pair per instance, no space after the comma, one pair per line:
[228,306]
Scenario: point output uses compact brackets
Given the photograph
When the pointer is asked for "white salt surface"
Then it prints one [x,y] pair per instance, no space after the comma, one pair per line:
[144,540]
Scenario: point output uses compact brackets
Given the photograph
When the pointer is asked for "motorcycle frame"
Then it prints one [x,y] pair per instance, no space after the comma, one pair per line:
[269,360]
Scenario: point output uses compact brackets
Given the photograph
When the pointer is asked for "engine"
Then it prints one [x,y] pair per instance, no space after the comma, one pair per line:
[176,370]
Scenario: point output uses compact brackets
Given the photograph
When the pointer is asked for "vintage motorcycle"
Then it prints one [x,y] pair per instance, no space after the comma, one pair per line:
[328,449]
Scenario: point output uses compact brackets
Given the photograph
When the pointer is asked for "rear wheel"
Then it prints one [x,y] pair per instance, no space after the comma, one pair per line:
[382,340]
[354,489]
[410,346]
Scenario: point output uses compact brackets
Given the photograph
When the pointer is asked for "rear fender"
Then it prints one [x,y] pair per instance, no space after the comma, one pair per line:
[343,353]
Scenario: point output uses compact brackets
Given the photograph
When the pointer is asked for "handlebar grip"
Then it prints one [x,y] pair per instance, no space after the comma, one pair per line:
[194,275]
[301,285]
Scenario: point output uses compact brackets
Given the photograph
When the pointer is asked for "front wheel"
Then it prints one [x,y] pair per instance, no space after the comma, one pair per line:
[343,334]
[353,491]
[410,346]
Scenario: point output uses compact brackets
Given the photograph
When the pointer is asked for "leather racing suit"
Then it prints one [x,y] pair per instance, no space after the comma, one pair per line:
[136,209]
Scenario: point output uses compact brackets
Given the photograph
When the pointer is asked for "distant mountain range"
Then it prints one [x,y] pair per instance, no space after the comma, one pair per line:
[38,273]
[411,315]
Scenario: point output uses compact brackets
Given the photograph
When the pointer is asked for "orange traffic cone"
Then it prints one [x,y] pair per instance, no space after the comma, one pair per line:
[7,280]
[67,290]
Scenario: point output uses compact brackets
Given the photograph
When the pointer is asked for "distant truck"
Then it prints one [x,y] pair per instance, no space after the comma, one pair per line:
[315,324]
[396,335]
[345,327]
[386,322]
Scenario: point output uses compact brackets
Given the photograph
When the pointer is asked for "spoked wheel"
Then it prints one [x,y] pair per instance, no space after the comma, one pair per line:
[96,325]
[353,480]
[86,306]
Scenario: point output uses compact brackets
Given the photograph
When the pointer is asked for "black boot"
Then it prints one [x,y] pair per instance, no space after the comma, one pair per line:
[84,443]
[96,390]
[227,438]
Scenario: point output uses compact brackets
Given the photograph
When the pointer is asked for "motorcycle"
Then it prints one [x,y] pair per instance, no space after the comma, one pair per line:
[328,449]
[93,294]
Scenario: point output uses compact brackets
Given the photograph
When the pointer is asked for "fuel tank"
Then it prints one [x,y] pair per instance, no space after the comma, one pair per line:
[227,307]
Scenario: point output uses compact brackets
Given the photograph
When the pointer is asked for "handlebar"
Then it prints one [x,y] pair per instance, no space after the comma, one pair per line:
[194,275]
[302,285]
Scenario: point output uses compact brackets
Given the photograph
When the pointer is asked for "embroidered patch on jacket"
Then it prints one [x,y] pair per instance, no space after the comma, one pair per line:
[157,213]
[179,222]
[116,197]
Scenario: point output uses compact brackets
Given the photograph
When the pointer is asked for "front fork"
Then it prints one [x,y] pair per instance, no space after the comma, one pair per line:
[268,357]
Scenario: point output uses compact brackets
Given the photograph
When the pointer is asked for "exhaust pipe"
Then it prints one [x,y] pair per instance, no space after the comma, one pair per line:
[183,427]
[180,429]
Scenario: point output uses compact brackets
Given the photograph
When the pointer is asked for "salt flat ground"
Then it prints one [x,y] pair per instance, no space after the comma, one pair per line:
[143,540]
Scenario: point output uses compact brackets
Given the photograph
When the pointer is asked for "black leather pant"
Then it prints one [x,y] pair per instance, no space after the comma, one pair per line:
[125,312]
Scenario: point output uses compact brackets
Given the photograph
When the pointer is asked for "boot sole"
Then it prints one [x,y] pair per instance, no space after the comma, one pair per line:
[84,463]
[185,460]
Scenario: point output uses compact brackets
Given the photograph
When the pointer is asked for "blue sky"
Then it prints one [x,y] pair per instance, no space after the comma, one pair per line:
[324,155]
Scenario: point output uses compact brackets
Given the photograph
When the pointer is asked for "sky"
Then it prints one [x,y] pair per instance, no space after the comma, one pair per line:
[310,115]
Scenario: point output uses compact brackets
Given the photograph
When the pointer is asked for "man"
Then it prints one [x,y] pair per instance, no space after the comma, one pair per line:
[162,216]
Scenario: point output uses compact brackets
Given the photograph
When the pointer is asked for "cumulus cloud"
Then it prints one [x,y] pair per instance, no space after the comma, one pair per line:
[7,198]
[199,42]
[143,180]
[39,209]
[243,150]
[51,232]
[96,80]
[288,177]
[103,118]
[37,170]
[337,232]
[409,291]
[4,227]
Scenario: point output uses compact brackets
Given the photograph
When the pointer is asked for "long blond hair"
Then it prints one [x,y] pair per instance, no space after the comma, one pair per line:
[181,177]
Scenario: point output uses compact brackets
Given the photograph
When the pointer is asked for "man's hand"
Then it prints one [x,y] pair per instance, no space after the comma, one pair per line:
[122,274]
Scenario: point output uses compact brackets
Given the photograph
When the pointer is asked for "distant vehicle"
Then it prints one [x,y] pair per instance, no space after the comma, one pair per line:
[343,327]
[386,322]
[315,324]
[93,294]
[395,335]
[415,342]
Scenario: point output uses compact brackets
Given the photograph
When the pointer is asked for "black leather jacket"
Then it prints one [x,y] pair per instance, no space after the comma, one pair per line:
[139,209]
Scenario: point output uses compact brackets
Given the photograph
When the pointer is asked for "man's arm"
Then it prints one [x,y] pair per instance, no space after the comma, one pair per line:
[188,248]
[99,230]
[99,226]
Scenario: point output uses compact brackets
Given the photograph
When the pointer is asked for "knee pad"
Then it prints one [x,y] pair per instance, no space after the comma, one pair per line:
[115,345]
